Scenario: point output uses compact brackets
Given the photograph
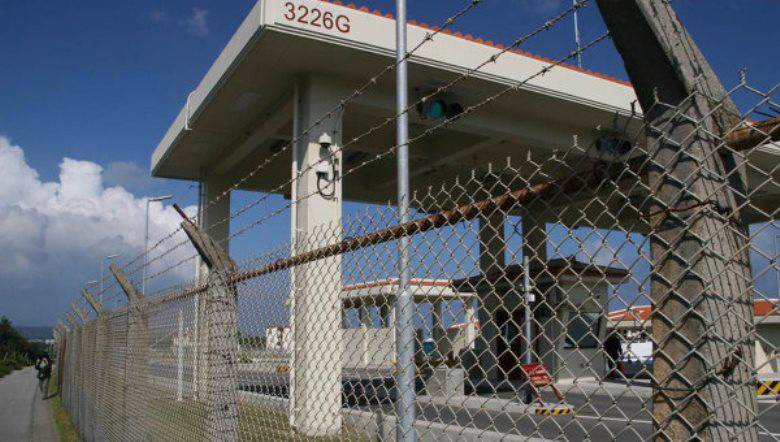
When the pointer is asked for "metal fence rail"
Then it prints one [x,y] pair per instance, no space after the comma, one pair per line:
[576,243]
[619,286]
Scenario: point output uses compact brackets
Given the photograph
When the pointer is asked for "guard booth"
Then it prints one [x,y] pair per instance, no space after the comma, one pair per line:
[569,325]
[371,345]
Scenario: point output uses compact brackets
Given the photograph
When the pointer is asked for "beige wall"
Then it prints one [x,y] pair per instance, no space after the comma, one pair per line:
[770,341]
[368,347]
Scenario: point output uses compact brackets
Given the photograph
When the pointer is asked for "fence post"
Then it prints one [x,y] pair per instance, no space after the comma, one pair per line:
[703,308]
[75,370]
[99,356]
[63,361]
[221,318]
[83,409]
[137,357]
[90,381]
[80,314]
[180,357]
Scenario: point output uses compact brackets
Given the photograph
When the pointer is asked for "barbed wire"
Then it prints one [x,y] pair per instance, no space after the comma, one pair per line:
[448,121]
[470,72]
[338,108]
[333,111]
[545,26]
[429,36]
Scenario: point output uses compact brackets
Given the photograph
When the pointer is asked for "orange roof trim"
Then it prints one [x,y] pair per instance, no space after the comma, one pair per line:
[761,308]
[471,38]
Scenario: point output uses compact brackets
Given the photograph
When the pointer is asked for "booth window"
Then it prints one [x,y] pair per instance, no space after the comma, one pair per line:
[583,331]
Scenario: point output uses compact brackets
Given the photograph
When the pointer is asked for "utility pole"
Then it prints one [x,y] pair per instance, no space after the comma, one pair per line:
[702,320]
[146,239]
[404,308]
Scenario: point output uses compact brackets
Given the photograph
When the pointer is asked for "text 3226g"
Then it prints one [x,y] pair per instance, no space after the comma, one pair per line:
[316,17]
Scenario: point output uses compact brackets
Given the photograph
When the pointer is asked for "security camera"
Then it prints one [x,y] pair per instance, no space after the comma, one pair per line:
[327,168]
[325,141]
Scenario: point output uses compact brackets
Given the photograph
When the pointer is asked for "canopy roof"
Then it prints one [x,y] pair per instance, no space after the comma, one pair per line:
[241,112]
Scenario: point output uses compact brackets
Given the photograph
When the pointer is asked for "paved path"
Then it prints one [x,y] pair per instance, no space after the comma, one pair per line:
[24,416]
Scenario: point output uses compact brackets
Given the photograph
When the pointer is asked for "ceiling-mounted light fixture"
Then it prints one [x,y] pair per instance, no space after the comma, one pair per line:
[438,109]
[614,144]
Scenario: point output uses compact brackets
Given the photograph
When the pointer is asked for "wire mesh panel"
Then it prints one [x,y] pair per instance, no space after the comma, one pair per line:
[541,309]
[610,281]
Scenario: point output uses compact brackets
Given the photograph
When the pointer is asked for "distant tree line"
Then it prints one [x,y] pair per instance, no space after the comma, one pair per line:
[15,350]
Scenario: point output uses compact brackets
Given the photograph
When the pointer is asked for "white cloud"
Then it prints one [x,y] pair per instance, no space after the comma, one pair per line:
[197,23]
[53,234]
[129,175]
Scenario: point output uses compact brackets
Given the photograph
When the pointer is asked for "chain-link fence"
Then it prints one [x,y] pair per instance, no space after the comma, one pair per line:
[611,282]
[612,290]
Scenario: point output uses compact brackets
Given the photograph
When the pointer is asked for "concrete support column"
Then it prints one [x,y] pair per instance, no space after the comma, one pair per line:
[316,313]
[365,316]
[387,314]
[211,219]
[492,245]
[471,329]
[364,312]
[439,336]
[535,248]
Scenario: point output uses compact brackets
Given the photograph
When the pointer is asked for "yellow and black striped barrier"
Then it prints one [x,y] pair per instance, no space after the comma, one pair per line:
[768,387]
[555,410]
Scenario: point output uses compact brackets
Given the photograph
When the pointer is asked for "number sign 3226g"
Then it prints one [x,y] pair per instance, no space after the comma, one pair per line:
[316,18]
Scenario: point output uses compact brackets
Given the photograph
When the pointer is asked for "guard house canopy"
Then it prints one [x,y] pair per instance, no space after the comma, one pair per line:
[241,112]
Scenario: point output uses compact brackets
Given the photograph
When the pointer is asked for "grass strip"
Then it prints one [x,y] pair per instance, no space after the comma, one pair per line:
[62,420]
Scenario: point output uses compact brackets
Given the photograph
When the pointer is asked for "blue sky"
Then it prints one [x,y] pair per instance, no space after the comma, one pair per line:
[101,81]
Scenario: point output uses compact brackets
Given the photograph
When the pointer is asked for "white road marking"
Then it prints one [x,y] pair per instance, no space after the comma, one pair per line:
[642,421]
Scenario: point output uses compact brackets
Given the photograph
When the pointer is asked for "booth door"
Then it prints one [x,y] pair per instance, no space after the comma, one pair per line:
[509,345]
[582,353]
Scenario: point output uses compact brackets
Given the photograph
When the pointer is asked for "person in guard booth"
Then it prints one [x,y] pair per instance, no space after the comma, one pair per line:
[614,350]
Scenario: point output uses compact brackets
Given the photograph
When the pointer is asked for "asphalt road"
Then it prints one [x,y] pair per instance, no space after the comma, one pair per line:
[24,416]
[597,416]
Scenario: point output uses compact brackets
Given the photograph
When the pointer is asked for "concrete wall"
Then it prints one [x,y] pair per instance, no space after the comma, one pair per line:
[455,341]
[770,334]
[368,347]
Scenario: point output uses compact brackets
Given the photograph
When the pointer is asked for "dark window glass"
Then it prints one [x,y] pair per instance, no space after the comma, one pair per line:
[583,331]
